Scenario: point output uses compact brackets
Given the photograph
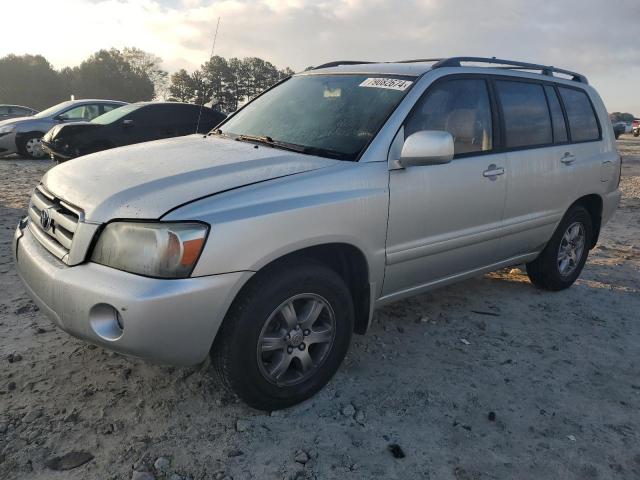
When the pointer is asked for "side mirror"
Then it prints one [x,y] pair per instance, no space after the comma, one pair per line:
[62,118]
[428,147]
[127,123]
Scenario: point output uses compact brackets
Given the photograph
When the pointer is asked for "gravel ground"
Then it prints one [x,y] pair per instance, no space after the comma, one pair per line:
[487,379]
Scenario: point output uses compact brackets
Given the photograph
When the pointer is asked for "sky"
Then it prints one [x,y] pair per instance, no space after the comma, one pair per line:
[598,38]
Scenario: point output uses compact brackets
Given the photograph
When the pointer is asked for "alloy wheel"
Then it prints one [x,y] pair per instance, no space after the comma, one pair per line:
[571,249]
[296,339]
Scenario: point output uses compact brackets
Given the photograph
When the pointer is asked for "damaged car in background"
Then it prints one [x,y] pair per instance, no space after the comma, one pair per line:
[134,123]
[24,135]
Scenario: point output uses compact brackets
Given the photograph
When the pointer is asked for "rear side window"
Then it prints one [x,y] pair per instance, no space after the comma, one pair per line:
[185,114]
[460,107]
[557,118]
[582,119]
[107,107]
[527,122]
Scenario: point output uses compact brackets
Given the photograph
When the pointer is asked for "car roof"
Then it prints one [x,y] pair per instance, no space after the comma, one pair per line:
[19,106]
[94,100]
[419,67]
[145,104]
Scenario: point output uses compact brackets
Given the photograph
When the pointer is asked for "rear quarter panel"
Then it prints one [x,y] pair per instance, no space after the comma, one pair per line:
[598,163]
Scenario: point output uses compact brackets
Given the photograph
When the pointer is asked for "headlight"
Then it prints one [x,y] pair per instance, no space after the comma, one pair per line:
[7,129]
[153,249]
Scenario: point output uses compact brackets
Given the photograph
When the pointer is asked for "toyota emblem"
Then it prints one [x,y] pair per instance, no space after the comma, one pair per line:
[45,219]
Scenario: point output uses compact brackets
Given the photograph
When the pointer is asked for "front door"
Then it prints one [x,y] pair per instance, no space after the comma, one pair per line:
[445,220]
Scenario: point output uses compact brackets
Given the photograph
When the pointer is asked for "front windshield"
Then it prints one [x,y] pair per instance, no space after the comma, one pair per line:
[115,114]
[328,115]
[53,110]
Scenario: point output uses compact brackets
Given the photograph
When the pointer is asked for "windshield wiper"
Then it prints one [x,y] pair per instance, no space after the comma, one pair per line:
[218,131]
[267,140]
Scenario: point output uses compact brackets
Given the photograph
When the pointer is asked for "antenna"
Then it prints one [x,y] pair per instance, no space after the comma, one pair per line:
[215,36]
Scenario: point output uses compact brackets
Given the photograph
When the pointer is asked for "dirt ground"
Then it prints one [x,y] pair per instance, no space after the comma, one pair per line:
[487,379]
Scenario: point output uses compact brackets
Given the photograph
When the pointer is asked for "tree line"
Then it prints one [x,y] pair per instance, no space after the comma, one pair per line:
[621,117]
[133,75]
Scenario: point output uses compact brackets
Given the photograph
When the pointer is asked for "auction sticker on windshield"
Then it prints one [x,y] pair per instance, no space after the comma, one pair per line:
[391,83]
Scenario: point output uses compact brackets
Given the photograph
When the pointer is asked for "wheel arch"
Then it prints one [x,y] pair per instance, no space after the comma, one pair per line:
[593,204]
[348,261]
[24,136]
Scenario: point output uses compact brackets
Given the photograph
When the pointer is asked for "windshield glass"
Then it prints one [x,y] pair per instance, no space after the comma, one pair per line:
[328,115]
[115,114]
[53,110]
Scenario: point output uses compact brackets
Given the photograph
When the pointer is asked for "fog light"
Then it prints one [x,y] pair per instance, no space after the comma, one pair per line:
[106,322]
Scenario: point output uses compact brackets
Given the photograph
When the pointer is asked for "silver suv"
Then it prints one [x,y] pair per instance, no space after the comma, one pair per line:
[268,242]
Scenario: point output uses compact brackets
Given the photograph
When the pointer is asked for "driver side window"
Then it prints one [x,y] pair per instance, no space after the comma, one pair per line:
[82,112]
[460,107]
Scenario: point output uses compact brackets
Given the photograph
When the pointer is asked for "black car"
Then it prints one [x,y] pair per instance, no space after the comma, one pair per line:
[134,123]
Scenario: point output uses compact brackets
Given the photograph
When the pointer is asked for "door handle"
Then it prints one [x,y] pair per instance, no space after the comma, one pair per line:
[493,171]
[568,159]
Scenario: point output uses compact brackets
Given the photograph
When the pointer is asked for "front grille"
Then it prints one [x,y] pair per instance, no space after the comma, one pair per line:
[56,228]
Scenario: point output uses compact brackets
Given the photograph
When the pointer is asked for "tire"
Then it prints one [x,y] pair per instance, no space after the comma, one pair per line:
[636,133]
[260,318]
[549,271]
[29,145]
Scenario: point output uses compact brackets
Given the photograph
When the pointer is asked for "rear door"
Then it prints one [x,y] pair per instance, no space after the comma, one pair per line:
[541,159]
[538,182]
[184,119]
[445,220]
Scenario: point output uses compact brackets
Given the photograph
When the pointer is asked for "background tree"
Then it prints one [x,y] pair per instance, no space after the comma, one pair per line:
[218,78]
[107,74]
[148,64]
[30,80]
[181,88]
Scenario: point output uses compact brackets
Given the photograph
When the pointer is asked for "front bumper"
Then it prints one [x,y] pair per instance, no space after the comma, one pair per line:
[167,321]
[56,151]
[8,144]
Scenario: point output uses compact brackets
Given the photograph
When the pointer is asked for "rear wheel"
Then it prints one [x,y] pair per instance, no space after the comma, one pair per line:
[30,145]
[285,336]
[562,260]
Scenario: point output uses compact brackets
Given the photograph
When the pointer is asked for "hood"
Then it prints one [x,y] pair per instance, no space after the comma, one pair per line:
[27,124]
[146,180]
[68,129]
[15,120]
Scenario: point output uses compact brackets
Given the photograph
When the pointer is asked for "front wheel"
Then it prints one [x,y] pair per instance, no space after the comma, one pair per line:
[562,260]
[285,335]
[31,146]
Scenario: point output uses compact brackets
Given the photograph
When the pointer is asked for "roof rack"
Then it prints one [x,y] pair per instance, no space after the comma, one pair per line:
[340,62]
[420,60]
[457,62]
[544,69]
